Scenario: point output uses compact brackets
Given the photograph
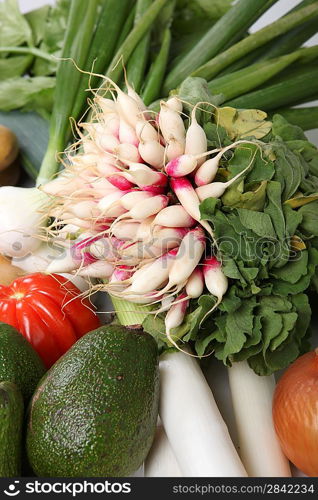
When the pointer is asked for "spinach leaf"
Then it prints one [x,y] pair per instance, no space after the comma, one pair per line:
[260,223]
[289,170]
[252,199]
[310,218]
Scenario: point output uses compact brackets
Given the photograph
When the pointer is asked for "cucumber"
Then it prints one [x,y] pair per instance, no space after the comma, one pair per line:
[11,419]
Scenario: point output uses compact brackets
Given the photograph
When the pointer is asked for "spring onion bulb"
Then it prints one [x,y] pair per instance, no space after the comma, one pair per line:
[21,220]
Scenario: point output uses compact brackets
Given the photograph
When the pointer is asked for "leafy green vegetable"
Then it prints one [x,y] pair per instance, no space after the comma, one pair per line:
[27,93]
[194,90]
[265,315]
[14,29]
[37,22]
[243,123]
[14,66]
[252,199]
[310,218]
[52,30]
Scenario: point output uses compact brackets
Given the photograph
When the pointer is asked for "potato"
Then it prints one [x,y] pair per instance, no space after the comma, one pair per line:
[8,272]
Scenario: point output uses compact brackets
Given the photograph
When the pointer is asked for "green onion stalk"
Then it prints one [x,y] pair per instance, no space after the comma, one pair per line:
[306,118]
[76,46]
[215,65]
[83,47]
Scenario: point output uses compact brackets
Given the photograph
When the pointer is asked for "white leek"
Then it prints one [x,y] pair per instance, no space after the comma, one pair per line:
[21,220]
[194,426]
[161,461]
[252,397]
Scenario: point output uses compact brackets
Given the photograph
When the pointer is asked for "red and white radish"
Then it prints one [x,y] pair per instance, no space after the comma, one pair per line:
[196,141]
[174,216]
[148,207]
[181,166]
[195,284]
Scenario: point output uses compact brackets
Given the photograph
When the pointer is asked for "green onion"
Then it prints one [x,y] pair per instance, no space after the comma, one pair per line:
[128,313]
[121,57]
[242,81]
[138,60]
[157,71]
[28,166]
[252,42]
[287,92]
[306,118]
[102,48]
[240,17]
[284,44]
[126,29]
[78,36]
[298,69]
[291,40]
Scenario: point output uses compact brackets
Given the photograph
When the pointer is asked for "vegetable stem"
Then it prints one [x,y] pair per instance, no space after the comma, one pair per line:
[28,50]
[76,46]
[292,91]
[306,118]
[137,62]
[157,71]
[242,81]
[128,313]
[102,48]
[252,42]
[124,52]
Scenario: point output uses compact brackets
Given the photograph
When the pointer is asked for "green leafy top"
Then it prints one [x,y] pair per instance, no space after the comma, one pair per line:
[268,251]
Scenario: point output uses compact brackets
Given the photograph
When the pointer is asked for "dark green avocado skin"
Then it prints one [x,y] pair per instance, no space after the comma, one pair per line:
[95,411]
[11,420]
[19,362]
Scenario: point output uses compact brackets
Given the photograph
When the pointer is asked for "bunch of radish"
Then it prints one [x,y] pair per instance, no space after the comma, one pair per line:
[126,206]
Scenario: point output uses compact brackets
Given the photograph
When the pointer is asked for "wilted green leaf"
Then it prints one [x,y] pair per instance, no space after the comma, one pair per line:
[243,123]
[299,201]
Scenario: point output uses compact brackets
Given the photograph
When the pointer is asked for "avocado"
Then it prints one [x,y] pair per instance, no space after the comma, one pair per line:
[19,362]
[11,419]
[94,413]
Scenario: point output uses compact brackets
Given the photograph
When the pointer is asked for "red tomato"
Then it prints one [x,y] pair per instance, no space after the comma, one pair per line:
[295,413]
[48,311]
